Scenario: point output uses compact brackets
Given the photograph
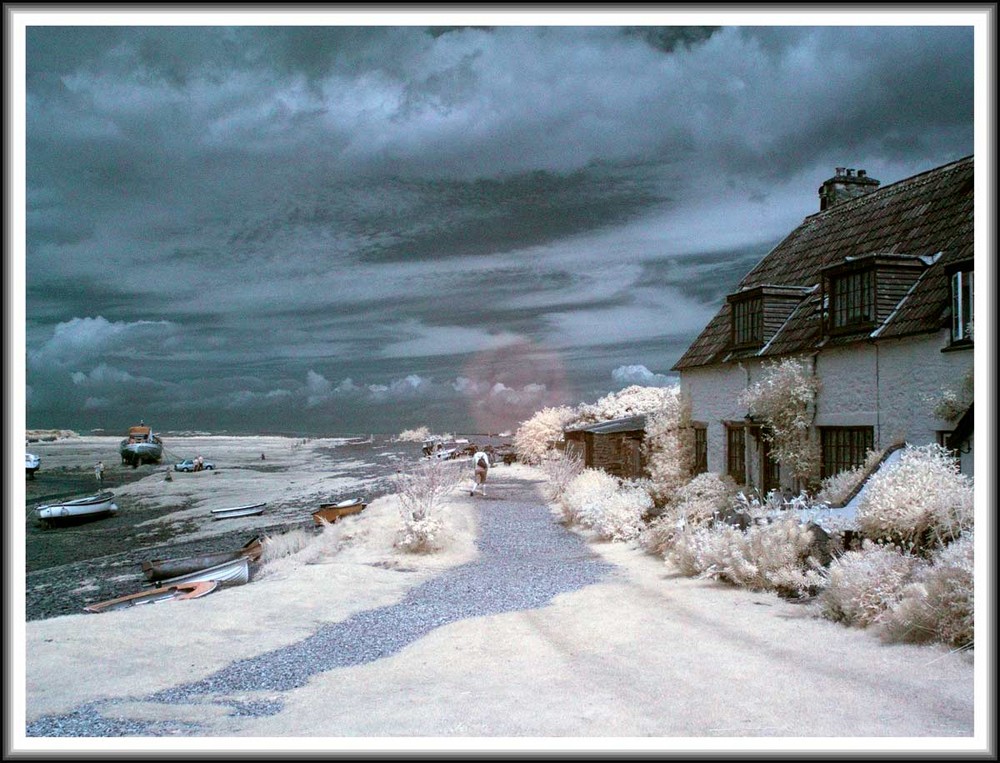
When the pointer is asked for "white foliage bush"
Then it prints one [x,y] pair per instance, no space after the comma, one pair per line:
[630,401]
[922,500]
[561,469]
[784,398]
[414,435]
[541,433]
[940,604]
[838,488]
[862,586]
[767,556]
[694,505]
[669,445]
[612,508]
[420,491]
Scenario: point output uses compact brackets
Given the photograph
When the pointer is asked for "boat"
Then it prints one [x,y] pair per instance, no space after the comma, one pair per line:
[141,446]
[90,507]
[31,464]
[239,511]
[331,512]
[234,572]
[164,569]
[152,596]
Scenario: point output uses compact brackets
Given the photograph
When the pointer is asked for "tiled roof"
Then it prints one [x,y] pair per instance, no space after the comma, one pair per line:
[629,424]
[921,216]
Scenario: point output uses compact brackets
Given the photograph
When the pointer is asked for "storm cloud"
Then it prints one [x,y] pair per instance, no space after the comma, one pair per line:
[350,229]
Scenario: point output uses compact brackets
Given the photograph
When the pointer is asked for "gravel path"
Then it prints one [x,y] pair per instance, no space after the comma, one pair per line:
[525,560]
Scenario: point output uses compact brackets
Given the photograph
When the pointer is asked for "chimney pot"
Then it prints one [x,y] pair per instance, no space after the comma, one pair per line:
[862,173]
[850,172]
[840,170]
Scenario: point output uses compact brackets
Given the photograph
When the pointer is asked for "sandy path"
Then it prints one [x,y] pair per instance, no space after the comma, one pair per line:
[642,653]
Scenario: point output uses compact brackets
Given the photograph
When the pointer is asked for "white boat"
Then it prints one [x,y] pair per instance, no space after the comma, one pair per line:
[234,572]
[141,446]
[239,511]
[90,507]
[31,464]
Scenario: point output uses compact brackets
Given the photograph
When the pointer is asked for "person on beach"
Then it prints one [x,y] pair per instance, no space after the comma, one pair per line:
[99,473]
[481,462]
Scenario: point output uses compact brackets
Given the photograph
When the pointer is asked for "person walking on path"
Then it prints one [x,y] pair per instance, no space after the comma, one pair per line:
[99,473]
[481,462]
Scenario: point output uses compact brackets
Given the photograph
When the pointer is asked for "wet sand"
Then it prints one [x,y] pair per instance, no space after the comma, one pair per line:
[163,513]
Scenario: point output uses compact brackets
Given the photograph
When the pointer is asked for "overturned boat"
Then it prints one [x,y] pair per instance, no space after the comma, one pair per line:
[331,512]
[163,569]
[141,446]
[78,510]
[173,593]
[249,510]
[232,572]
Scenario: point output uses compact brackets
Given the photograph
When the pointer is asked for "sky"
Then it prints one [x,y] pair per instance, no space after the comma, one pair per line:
[351,229]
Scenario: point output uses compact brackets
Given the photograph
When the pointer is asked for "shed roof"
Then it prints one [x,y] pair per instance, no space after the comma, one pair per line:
[628,424]
[921,216]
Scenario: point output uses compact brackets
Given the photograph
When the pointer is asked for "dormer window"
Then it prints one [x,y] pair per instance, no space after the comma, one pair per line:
[852,300]
[748,322]
[961,304]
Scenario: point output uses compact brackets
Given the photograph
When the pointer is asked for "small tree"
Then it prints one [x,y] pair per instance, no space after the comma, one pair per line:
[784,400]
[541,433]
[420,491]
[669,445]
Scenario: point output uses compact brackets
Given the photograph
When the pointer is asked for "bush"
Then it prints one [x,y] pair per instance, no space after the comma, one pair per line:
[921,502]
[561,469]
[630,401]
[541,433]
[862,586]
[420,490]
[669,445]
[783,399]
[612,508]
[693,505]
[838,488]
[940,604]
[767,556]
[414,435]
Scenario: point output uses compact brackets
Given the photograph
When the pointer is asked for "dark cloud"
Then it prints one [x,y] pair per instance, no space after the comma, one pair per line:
[285,227]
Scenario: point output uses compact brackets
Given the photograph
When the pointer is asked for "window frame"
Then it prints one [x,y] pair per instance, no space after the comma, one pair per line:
[736,457]
[700,436]
[852,301]
[961,289]
[746,322]
[857,449]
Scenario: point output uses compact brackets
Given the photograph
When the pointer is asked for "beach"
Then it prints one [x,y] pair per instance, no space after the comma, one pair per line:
[518,628]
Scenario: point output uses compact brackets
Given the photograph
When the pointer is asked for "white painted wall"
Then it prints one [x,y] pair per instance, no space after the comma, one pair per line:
[891,386]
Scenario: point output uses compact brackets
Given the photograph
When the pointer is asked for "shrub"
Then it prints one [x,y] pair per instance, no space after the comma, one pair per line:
[767,556]
[939,604]
[784,399]
[922,501]
[414,435]
[862,586]
[541,433]
[420,490]
[669,445]
[630,401]
[561,469]
[612,508]
[693,505]
[838,488]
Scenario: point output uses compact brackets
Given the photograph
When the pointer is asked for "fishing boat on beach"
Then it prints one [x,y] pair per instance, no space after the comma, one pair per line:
[249,510]
[141,446]
[173,593]
[164,569]
[331,512]
[234,572]
[80,509]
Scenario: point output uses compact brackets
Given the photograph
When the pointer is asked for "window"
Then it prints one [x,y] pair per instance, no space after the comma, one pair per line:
[845,448]
[700,450]
[770,477]
[852,299]
[736,457]
[748,322]
[961,305]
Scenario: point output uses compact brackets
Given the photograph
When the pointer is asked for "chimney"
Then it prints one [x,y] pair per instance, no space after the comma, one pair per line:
[845,185]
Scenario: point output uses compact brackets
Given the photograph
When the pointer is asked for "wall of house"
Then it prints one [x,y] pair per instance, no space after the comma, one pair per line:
[891,386]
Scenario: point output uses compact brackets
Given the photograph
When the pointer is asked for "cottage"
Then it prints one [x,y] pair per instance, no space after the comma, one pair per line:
[614,446]
[875,293]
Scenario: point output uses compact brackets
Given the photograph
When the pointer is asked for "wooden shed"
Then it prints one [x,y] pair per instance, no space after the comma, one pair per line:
[614,446]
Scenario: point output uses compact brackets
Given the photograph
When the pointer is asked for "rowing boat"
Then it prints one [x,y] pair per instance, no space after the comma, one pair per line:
[331,512]
[239,511]
[164,569]
[233,572]
[175,592]
[90,507]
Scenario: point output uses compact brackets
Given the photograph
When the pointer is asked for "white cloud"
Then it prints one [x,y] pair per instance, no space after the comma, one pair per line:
[639,374]
[79,339]
[423,340]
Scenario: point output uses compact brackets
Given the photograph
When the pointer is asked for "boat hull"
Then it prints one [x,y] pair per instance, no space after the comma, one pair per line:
[330,513]
[141,452]
[234,572]
[173,593]
[239,511]
[81,509]
[164,569]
